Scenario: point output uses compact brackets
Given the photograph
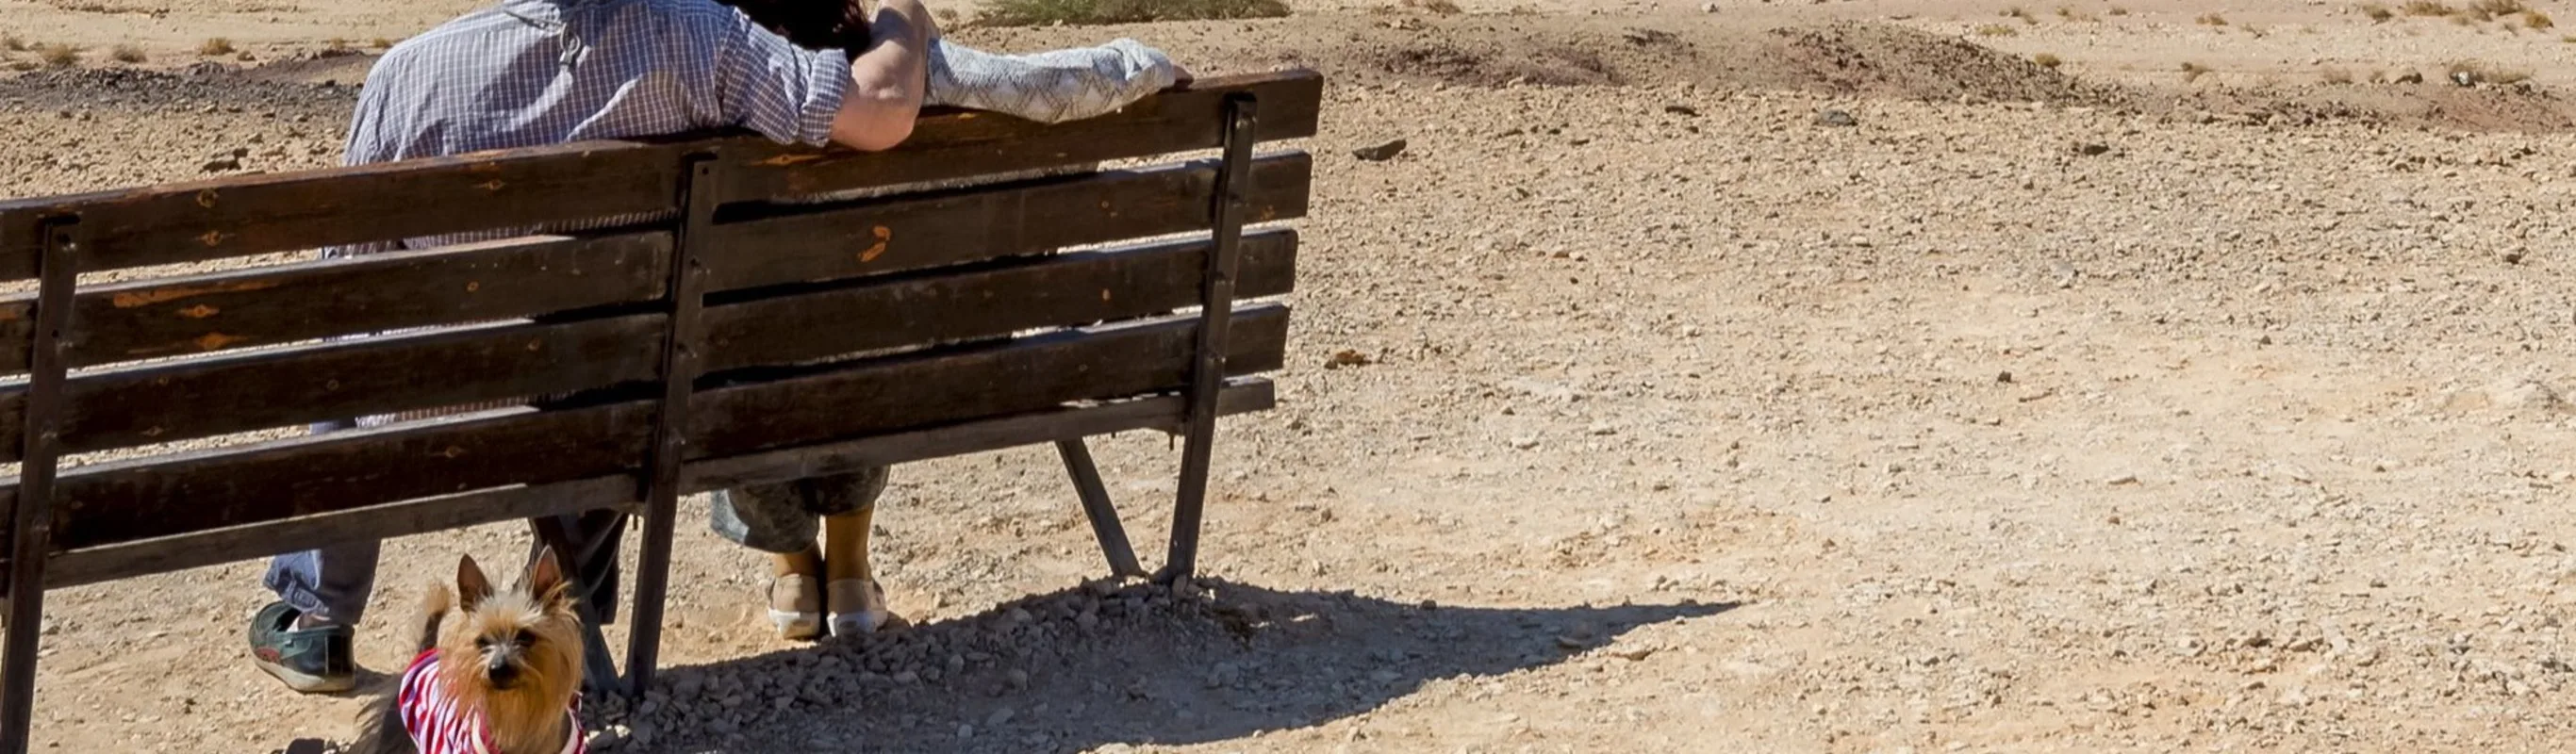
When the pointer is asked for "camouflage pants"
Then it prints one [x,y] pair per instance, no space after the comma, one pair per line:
[785,517]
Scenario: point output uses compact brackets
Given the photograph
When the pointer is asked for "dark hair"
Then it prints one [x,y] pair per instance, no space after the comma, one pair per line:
[811,24]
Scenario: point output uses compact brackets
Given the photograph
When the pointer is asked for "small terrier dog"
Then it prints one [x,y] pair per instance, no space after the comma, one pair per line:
[506,681]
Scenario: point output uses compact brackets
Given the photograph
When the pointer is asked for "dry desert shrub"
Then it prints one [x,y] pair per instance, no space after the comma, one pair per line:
[2193,71]
[2335,76]
[2119,11]
[2379,14]
[2538,20]
[2046,60]
[215,46]
[2428,8]
[12,43]
[2212,19]
[58,55]
[1996,30]
[1437,7]
[126,53]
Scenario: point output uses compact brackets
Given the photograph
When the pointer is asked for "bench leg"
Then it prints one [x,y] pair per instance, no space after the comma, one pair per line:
[1096,506]
[32,518]
[599,669]
[1216,314]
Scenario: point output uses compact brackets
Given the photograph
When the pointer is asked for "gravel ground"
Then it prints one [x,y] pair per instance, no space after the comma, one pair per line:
[1848,389]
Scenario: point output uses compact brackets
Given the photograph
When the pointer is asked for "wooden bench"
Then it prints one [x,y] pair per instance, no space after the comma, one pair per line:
[710,348]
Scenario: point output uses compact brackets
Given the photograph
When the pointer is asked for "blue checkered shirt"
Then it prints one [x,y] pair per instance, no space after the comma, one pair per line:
[536,72]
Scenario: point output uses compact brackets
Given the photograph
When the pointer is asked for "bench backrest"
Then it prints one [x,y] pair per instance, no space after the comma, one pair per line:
[914,325]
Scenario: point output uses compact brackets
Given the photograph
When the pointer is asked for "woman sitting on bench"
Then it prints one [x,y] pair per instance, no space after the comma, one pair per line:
[810,583]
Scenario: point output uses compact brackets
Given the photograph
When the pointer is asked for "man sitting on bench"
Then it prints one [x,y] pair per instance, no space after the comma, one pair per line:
[537,72]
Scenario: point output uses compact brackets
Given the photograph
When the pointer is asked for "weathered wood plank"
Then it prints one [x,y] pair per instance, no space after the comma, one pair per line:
[1161,412]
[194,492]
[1066,290]
[198,491]
[934,230]
[520,188]
[388,520]
[328,381]
[229,217]
[957,143]
[1024,374]
[268,306]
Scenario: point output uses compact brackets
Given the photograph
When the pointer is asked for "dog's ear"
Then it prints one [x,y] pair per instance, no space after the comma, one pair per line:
[471,586]
[545,577]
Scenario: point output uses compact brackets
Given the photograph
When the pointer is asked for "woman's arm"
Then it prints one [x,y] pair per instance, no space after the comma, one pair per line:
[1049,87]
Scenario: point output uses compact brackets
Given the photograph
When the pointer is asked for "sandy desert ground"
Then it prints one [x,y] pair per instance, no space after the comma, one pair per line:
[2206,391]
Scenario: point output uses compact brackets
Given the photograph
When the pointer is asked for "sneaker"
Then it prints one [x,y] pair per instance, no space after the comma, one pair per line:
[796,607]
[858,607]
[311,660]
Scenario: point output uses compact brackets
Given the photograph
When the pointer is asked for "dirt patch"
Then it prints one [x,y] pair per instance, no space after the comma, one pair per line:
[1882,60]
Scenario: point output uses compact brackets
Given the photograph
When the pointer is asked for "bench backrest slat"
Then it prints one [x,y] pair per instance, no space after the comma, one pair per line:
[946,146]
[953,227]
[265,389]
[1095,286]
[264,306]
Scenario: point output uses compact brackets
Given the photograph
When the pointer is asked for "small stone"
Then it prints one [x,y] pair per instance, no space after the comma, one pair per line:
[2122,479]
[907,677]
[1836,119]
[1682,110]
[1380,152]
[607,738]
[1708,7]
[998,717]
[1019,679]
[222,164]
[2092,149]
[1633,654]
[965,730]
[1525,442]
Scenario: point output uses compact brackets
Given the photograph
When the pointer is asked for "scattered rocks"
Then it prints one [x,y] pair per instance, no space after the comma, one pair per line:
[1381,151]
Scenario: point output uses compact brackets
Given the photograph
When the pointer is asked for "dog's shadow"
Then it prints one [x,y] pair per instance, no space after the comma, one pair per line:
[1085,668]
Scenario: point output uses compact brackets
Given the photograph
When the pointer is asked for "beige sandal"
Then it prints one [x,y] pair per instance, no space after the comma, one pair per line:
[795,606]
[858,607]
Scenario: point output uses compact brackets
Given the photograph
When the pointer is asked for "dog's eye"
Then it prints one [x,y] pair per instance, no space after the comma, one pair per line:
[523,640]
[482,642]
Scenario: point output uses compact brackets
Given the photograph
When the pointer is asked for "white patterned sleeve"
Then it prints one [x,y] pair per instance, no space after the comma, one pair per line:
[1048,87]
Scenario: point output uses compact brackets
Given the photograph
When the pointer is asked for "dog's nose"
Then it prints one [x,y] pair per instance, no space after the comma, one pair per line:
[501,672]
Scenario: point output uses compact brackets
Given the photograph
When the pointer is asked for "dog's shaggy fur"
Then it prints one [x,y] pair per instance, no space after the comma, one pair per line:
[514,660]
